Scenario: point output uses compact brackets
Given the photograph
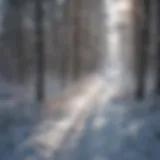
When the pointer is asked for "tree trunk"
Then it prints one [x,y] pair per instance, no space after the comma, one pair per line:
[20,48]
[142,43]
[157,83]
[39,50]
[76,38]
[13,39]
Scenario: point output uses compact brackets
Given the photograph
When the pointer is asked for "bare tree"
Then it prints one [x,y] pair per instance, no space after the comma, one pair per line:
[19,42]
[68,12]
[13,38]
[142,43]
[39,50]
[76,37]
[157,82]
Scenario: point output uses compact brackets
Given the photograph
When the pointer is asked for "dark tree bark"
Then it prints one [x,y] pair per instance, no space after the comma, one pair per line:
[39,50]
[13,39]
[76,38]
[142,46]
[19,45]
[157,82]
[68,12]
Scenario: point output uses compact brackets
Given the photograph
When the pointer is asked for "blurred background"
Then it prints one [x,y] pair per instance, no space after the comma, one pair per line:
[70,66]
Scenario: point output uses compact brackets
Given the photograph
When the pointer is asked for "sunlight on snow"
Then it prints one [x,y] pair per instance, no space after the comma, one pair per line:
[99,122]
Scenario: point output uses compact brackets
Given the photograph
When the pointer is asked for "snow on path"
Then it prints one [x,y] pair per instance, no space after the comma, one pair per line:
[120,131]
[48,136]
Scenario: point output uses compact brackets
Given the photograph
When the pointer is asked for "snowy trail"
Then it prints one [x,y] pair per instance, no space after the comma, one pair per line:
[118,131]
[48,135]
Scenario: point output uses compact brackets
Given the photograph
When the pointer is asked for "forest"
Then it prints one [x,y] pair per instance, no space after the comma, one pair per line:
[79,79]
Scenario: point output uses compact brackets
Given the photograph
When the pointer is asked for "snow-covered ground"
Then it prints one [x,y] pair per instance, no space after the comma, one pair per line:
[17,121]
[109,129]
[118,131]
[24,125]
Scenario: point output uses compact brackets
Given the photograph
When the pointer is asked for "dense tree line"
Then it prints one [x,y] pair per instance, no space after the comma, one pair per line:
[68,38]
[50,36]
[146,20]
